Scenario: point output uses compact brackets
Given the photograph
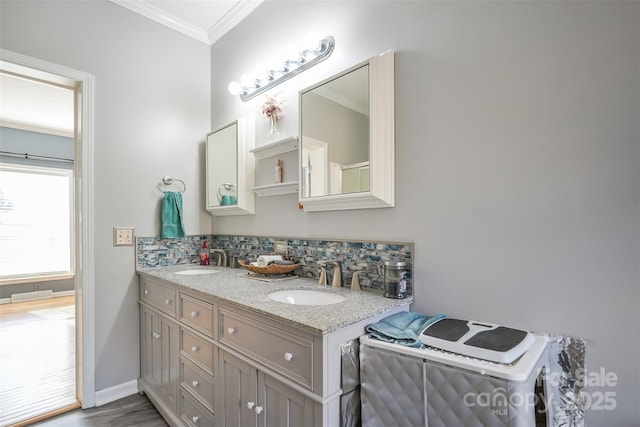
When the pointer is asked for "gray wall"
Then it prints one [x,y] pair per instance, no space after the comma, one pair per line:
[518,159]
[152,109]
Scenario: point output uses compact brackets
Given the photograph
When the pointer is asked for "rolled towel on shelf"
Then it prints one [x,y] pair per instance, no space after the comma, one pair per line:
[264,260]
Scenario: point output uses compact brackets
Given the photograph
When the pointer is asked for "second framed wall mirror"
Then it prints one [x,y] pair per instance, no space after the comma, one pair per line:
[347,134]
[230,168]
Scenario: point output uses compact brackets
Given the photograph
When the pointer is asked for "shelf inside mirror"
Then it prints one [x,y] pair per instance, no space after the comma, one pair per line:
[276,189]
[274,148]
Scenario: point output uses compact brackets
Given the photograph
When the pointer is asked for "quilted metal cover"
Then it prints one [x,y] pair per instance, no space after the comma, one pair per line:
[403,390]
[392,389]
[463,398]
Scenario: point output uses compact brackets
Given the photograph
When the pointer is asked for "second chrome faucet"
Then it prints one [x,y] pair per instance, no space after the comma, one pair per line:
[337,280]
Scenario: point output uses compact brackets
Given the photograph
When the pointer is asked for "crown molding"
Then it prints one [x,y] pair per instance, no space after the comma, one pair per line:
[149,11]
[236,14]
[209,36]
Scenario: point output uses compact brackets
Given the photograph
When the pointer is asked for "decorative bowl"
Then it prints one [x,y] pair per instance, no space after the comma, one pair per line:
[268,269]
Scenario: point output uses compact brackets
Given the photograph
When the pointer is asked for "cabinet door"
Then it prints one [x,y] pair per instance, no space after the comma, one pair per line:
[282,406]
[238,397]
[147,338]
[230,168]
[160,355]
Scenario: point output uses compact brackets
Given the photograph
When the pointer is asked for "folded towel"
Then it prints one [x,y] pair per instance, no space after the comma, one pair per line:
[402,328]
[264,260]
[172,226]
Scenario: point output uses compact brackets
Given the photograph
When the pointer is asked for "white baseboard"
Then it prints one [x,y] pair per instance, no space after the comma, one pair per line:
[114,393]
[55,294]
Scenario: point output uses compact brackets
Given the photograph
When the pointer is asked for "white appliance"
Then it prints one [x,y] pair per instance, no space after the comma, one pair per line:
[477,339]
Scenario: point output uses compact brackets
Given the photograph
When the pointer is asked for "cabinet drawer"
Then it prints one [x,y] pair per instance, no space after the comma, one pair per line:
[197,349]
[193,414]
[289,354]
[197,314]
[159,296]
[197,382]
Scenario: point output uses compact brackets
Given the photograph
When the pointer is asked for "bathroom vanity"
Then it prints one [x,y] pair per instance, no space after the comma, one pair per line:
[216,350]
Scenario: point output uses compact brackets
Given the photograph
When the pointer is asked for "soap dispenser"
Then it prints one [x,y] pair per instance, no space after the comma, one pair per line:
[204,254]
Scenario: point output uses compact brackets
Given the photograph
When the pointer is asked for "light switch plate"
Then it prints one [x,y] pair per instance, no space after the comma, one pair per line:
[280,247]
[122,236]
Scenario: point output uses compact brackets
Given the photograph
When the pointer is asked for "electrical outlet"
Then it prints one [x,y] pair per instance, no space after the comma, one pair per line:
[122,236]
[280,247]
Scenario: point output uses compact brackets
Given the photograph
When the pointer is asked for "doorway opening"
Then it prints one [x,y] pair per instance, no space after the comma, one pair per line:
[71,312]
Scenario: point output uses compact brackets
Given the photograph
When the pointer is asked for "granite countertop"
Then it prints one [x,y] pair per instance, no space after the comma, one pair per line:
[232,285]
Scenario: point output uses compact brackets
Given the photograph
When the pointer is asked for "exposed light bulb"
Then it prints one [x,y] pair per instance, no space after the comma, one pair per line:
[314,50]
[311,42]
[235,88]
[247,80]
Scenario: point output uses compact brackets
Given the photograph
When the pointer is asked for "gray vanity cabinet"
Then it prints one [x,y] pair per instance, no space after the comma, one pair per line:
[271,380]
[208,361]
[239,381]
[159,365]
[253,398]
[285,406]
[159,344]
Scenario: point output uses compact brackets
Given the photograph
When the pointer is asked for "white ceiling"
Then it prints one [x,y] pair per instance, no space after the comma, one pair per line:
[31,105]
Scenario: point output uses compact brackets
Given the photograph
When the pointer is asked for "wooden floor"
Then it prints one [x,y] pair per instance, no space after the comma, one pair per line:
[134,410]
[37,358]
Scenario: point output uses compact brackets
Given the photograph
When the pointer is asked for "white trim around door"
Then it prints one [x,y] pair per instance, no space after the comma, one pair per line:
[83,83]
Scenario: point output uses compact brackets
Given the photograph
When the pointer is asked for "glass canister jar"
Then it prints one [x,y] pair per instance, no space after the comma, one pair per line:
[396,280]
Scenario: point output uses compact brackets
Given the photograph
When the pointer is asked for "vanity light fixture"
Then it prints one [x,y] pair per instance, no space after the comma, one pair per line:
[250,86]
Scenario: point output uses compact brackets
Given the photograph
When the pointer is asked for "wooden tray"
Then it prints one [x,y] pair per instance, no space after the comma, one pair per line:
[269,269]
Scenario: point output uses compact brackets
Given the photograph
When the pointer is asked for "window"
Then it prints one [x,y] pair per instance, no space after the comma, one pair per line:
[36,205]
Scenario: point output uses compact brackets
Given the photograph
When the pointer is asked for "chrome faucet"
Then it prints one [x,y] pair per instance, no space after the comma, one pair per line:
[222,257]
[337,280]
[323,275]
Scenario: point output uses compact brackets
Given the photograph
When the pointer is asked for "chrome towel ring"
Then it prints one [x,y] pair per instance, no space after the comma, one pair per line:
[167,180]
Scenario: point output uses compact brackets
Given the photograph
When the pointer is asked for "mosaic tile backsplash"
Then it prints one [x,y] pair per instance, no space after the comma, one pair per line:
[365,256]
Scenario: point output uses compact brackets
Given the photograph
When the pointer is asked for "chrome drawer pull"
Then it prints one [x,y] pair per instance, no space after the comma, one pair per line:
[194,419]
[146,292]
[194,314]
[194,348]
[231,331]
[156,335]
[258,410]
[167,301]
[194,383]
[250,405]
[288,357]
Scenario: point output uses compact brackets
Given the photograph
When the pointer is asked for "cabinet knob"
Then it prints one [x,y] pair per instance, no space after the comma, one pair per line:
[146,291]
[194,383]
[231,331]
[194,314]
[250,405]
[167,301]
[156,335]
[194,348]
[194,419]
[258,410]
[288,356]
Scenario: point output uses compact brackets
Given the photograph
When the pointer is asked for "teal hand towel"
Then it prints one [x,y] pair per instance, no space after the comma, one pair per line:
[172,226]
[402,328]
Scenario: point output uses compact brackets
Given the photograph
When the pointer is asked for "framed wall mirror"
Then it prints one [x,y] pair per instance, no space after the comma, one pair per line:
[230,169]
[347,154]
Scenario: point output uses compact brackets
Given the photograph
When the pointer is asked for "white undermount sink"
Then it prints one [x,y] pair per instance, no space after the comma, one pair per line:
[197,271]
[305,297]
